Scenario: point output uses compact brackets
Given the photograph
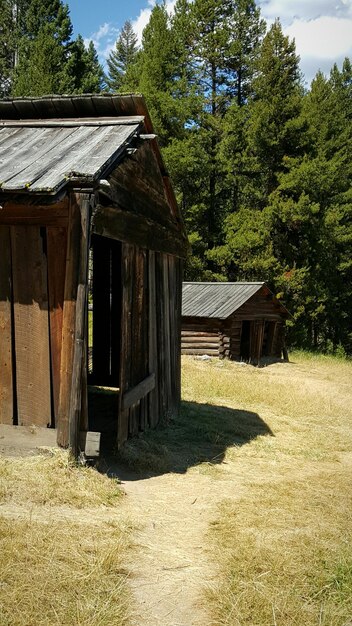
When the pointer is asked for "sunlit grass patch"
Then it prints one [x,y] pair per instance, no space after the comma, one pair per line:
[52,479]
[283,543]
[62,574]
[285,553]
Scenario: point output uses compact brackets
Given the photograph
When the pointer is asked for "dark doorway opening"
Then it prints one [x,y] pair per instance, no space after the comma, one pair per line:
[269,338]
[104,335]
[245,340]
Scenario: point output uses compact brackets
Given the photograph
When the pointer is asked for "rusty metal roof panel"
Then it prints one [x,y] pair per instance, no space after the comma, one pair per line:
[216,300]
[43,158]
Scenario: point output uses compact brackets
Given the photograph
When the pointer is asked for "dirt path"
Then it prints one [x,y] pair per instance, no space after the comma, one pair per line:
[170,566]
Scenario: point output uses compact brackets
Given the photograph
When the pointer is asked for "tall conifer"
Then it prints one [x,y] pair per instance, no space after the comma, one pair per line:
[122,59]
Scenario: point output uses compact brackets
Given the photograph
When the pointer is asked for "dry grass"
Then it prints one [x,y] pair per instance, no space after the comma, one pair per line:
[61,574]
[52,479]
[60,562]
[283,542]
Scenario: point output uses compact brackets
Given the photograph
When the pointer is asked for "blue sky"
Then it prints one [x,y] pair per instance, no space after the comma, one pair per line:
[322,28]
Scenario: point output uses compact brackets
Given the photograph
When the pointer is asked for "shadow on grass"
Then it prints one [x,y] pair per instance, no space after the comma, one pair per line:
[201,434]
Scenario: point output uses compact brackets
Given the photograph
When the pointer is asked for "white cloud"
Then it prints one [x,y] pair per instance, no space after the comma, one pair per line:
[322,30]
[323,38]
[290,10]
[104,39]
[142,20]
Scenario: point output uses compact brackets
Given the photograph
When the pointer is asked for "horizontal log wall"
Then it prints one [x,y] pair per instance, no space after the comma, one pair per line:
[202,336]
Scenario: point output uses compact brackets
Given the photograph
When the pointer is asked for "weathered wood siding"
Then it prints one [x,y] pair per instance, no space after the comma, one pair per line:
[150,363]
[32,275]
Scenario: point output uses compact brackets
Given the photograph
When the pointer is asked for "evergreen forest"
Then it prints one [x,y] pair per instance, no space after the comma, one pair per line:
[261,163]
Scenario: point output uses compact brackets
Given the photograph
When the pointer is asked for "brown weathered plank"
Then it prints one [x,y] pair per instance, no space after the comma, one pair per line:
[159,285]
[6,378]
[128,262]
[153,398]
[76,273]
[166,328]
[79,351]
[31,320]
[29,214]
[137,357]
[56,246]
[200,351]
[139,230]
[135,394]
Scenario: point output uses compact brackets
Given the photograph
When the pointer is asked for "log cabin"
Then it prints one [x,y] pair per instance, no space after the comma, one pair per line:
[85,198]
[241,321]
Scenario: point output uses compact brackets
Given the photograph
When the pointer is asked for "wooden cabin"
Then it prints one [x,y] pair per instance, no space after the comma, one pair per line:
[242,321]
[84,197]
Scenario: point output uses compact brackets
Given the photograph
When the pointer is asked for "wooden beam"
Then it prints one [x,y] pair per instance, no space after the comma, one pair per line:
[6,330]
[76,274]
[28,214]
[139,230]
[134,395]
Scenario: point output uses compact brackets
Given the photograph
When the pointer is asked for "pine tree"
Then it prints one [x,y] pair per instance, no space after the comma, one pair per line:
[157,68]
[121,60]
[12,28]
[7,46]
[224,44]
[84,68]
[43,50]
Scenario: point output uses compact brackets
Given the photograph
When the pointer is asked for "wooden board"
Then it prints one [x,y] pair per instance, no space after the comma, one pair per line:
[57,245]
[31,321]
[127,266]
[6,379]
[153,398]
[76,229]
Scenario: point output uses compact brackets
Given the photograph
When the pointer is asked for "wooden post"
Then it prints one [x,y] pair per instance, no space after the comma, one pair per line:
[6,330]
[74,315]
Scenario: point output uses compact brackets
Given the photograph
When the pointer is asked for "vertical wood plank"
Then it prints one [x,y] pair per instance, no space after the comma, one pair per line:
[31,319]
[57,246]
[179,279]
[160,336]
[6,378]
[137,356]
[153,400]
[167,342]
[76,273]
[127,267]
[79,350]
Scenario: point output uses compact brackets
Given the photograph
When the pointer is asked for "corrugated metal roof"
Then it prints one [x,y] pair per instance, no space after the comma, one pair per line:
[44,157]
[217,300]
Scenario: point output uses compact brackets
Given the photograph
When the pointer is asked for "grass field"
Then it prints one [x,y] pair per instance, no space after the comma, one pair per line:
[284,544]
[61,553]
[275,445]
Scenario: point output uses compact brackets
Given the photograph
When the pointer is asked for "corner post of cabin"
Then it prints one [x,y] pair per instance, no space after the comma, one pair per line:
[73,359]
